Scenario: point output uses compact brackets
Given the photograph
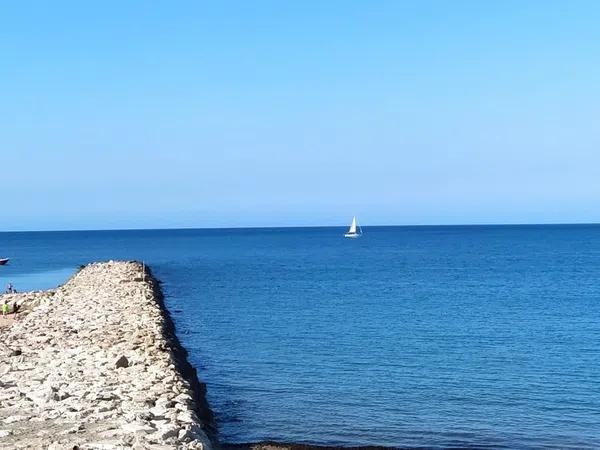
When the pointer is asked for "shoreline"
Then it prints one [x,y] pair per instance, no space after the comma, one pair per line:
[96,364]
[180,356]
[85,424]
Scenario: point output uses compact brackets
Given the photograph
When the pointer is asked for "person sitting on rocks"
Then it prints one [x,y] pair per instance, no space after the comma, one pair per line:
[10,289]
[5,308]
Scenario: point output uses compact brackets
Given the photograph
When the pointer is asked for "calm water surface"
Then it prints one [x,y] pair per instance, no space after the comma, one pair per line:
[411,336]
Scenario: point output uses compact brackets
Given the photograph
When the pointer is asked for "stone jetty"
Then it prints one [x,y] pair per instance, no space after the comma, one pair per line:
[95,364]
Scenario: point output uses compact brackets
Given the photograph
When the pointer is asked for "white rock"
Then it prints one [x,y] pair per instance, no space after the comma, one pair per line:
[158,410]
[137,427]
[12,419]
[186,417]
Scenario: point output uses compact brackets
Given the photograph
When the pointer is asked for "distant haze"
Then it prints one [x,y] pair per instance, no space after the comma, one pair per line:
[206,114]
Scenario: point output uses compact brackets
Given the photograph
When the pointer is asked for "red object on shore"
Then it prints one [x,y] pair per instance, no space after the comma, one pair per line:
[3,261]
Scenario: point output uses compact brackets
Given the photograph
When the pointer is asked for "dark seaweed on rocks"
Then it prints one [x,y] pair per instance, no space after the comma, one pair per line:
[182,364]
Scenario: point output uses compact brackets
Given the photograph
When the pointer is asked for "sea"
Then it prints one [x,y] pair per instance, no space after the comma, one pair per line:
[414,337]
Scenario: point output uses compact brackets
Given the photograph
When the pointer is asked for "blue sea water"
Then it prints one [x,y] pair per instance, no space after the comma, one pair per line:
[429,337]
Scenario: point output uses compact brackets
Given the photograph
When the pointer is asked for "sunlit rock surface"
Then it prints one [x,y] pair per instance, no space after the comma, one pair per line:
[94,364]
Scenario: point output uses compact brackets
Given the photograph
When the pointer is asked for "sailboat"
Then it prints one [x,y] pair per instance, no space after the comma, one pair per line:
[355,230]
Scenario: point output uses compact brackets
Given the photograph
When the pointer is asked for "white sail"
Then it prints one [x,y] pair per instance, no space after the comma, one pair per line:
[352,229]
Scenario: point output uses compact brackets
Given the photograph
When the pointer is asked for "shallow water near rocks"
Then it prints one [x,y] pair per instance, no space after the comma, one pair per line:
[411,336]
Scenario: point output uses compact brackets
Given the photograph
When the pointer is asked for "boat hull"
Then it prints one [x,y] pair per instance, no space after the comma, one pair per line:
[3,261]
[352,235]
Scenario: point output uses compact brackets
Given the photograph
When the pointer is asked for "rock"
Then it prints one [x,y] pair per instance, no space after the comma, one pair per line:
[75,429]
[190,433]
[42,396]
[12,419]
[167,432]
[186,417]
[137,427]
[121,362]
[100,446]
[158,411]
[4,433]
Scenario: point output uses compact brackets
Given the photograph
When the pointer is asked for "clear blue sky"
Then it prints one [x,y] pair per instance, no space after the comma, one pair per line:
[125,114]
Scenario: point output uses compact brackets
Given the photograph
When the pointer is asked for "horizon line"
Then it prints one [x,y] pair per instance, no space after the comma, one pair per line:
[305,226]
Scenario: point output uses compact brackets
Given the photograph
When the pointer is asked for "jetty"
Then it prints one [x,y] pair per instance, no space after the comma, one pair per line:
[95,364]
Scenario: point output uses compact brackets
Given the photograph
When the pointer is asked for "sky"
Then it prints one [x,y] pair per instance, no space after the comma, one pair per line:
[155,114]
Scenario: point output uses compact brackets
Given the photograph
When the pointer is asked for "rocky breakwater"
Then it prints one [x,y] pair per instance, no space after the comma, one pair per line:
[96,365]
